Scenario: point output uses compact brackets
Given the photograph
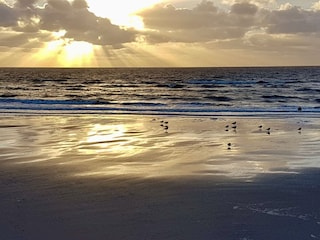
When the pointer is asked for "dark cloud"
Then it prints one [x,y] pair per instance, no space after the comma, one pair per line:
[79,4]
[24,39]
[168,17]
[206,22]
[82,25]
[206,6]
[293,20]
[8,17]
[25,3]
[244,9]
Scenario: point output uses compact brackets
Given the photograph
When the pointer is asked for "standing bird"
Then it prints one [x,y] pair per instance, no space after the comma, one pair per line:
[268,131]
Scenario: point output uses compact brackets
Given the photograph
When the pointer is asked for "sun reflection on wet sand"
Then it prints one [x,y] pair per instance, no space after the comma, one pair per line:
[139,146]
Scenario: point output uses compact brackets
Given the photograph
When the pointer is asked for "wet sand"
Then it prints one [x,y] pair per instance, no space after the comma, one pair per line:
[128,177]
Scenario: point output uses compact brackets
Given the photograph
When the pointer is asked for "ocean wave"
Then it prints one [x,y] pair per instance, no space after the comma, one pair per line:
[187,91]
[40,106]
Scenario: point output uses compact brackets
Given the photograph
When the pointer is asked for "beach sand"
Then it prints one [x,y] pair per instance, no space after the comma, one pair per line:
[159,177]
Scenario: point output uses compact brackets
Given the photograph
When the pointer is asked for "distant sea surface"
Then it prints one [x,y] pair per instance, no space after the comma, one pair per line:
[187,91]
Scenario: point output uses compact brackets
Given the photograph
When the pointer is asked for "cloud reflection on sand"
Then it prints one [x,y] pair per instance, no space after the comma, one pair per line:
[139,146]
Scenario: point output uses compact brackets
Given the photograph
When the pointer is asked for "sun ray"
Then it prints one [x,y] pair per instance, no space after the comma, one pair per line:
[65,53]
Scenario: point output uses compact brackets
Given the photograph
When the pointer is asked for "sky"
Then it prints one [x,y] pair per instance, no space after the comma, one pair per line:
[156,33]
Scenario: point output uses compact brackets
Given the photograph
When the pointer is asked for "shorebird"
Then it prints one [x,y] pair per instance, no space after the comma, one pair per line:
[229,146]
[234,123]
[268,131]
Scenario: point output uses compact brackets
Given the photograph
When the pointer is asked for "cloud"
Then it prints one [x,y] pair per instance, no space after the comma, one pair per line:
[293,20]
[206,22]
[316,5]
[25,3]
[72,17]
[260,3]
[167,17]
[82,25]
[8,17]
[244,9]
[236,25]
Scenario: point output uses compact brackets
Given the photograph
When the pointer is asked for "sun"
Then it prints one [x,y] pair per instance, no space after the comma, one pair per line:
[121,12]
[78,50]
[66,53]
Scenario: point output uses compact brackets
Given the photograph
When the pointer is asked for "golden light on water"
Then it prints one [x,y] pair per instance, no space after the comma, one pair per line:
[111,139]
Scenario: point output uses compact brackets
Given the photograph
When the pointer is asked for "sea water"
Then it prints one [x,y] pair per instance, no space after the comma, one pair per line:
[188,91]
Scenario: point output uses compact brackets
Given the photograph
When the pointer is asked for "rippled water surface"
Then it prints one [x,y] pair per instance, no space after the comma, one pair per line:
[170,90]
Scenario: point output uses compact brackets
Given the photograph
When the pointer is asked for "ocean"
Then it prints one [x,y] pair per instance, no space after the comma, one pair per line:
[186,91]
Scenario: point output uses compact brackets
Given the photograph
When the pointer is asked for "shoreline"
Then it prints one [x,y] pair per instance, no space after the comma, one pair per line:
[138,144]
[195,114]
[124,177]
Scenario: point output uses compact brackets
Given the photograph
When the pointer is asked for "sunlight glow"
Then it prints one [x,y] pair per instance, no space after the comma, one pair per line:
[67,53]
[121,12]
[110,139]
[78,51]
[103,134]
